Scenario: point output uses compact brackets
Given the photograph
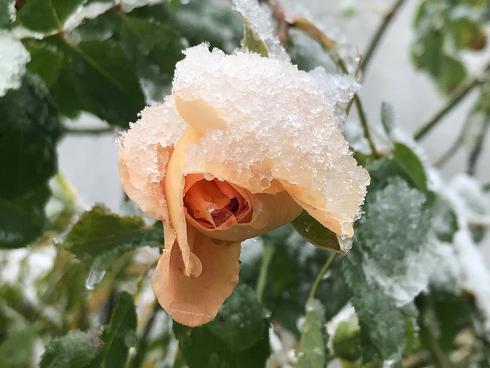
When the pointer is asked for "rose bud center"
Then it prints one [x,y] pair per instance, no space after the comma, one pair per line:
[216,204]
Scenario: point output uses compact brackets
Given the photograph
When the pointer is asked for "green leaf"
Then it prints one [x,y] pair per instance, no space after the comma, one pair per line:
[47,15]
[23,219]
[386,268]
[102,81]
[119,335]
[317,234]
[100,233]
[207,21]
[46,61]
[346,341]
[252,41]
[443,30]
[18,348]
[387,118]
[240,328]
[6,13]
[155,48]
[312,345]
[411,164]
[237,338]
[29,131]
[77,349]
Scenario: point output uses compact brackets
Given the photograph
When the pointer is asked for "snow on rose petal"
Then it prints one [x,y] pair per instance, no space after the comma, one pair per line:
[270,122]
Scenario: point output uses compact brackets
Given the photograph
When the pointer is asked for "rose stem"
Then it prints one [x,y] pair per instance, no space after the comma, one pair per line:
[320,276]
[267,253]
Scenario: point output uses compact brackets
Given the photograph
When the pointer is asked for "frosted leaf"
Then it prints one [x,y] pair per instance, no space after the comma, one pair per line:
[400,264]
[145,151]
[130,5]
[259,18]
[14,58]
[279,125]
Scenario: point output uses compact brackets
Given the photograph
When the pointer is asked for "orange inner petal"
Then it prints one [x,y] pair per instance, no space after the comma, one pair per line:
[214,203]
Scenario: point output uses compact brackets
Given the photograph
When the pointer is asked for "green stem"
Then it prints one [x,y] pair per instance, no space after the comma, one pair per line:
[378,35]
[267,254]
[365,126]
[320,276]
[453,100]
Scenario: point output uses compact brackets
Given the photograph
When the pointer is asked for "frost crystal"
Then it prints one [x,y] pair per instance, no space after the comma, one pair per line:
[259,18]
[281,125]
[14,58]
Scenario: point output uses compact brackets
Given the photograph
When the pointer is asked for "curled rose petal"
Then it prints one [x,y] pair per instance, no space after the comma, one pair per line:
[195,301]
[270,212]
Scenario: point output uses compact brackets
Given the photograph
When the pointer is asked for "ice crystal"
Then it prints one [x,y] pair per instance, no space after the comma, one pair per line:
[14,58]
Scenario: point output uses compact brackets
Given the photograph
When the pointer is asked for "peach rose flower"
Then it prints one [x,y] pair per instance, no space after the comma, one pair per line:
[241,146]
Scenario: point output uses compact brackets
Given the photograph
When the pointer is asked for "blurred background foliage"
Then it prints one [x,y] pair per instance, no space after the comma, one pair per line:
[412,292]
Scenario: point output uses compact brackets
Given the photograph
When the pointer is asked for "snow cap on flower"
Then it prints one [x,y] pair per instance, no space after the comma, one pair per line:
[264,121]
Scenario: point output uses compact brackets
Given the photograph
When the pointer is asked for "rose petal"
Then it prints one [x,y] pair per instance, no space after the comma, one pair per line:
[195,301]
[144,153]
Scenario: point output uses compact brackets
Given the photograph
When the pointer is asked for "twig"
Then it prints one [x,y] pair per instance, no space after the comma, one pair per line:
[329,45]
[453,100]
[320,276]
[477,149]
[267,253]
[373,44]
[88,131]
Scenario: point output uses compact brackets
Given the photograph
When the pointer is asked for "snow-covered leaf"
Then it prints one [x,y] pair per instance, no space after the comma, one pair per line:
[387,268]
